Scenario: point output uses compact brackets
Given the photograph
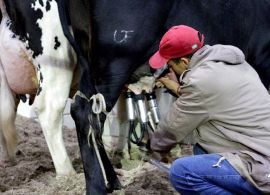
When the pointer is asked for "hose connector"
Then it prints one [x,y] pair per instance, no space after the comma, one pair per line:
[130,106]
[139,100]
[152,103]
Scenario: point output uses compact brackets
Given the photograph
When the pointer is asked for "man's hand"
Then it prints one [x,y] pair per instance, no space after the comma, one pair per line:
[169,81]
[164,157]
[170,84]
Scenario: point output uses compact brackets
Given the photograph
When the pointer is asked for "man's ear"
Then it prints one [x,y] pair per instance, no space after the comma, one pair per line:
[185,60]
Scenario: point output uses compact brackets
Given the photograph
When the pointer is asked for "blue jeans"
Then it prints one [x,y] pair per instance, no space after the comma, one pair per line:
[197,175]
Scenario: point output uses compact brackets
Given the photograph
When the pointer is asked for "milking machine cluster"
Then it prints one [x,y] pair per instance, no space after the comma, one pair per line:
[147,115]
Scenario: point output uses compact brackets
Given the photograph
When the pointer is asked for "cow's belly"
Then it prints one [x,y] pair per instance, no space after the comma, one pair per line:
[17,63]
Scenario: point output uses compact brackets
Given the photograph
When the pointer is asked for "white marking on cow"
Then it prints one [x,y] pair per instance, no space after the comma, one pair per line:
[122,36]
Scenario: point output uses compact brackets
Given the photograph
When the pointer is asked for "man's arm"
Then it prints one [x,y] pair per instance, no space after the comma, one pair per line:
[187,113]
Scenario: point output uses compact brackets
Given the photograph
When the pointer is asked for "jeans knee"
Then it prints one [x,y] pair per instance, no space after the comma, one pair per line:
[178,171]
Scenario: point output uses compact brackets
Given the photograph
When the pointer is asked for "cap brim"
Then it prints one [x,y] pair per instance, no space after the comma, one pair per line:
[157,61]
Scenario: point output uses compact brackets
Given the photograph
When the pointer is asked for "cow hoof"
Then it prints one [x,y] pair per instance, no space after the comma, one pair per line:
[117,185]
[3,164]
[7,163]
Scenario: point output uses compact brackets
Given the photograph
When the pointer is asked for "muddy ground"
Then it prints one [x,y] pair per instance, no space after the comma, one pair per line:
[34,172]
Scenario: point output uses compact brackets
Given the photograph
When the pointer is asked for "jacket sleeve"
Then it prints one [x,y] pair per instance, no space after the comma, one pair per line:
[186,114]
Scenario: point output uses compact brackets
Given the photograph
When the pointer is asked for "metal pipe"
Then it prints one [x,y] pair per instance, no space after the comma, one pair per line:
[158,164]
[160,71]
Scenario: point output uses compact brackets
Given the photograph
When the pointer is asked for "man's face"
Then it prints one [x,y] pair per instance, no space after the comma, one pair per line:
[179,65]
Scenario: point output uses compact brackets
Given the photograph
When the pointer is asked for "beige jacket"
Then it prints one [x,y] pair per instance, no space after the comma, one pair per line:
[224,101]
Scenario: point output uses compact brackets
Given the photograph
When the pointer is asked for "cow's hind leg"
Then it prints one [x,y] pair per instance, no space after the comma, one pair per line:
[8,134]
[95,182]
[50,102]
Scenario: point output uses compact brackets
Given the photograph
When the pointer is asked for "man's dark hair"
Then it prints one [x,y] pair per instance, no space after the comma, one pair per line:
[177,60]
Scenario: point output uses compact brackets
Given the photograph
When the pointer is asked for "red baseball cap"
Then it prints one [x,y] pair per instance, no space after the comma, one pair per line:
[177,42]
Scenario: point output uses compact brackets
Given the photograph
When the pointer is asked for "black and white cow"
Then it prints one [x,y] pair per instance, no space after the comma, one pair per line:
[124,34]
[35,56]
